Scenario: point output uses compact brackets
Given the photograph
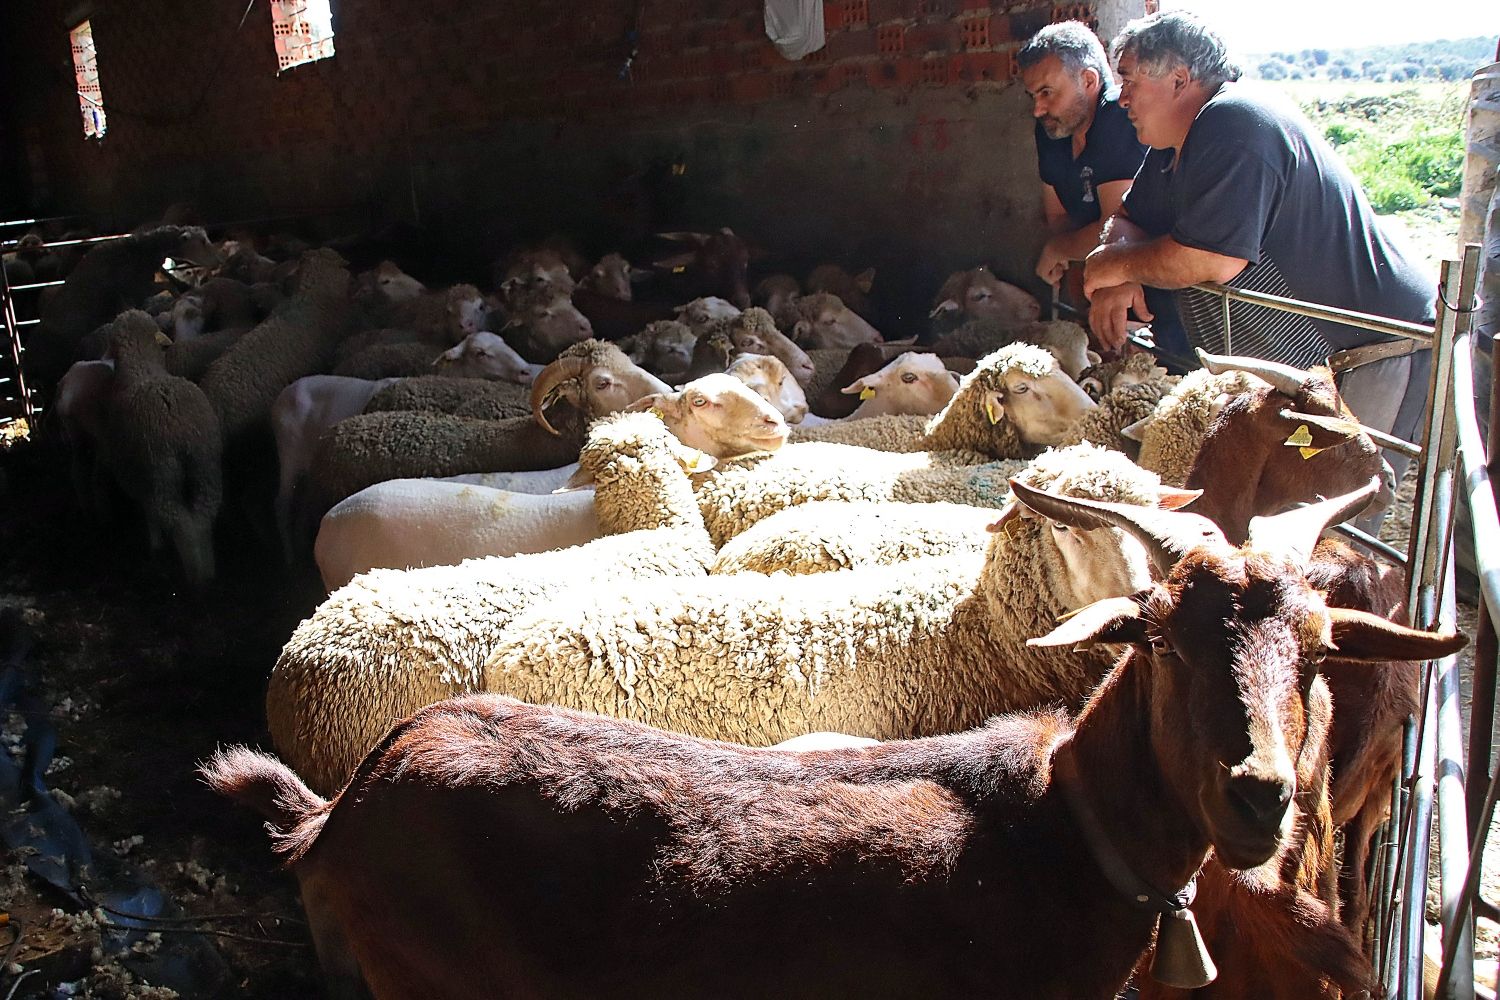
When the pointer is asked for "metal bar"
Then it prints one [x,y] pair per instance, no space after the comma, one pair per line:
[1224,316]
[1393,443]
[35,284]
[1401,818]
[1348,317]
[32,222]
[1369,541]
[27,322]
[1457,976]
[68,243]
[1418,850]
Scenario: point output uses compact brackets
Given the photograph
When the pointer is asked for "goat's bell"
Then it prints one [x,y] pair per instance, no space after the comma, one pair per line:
[1181,959]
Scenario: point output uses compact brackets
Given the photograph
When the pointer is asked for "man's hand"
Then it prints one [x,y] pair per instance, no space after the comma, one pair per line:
[1104,267]
[1109,313]
[1053,262]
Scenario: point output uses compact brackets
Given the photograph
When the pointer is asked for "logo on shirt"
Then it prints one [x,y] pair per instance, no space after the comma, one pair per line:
[1086,178]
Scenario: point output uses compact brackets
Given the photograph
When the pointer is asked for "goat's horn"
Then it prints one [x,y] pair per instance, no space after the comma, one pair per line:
[1287,380]
[1167,535]
[1293,533]
[555,374]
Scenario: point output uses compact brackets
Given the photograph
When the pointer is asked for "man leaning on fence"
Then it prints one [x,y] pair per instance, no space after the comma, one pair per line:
[1240,189]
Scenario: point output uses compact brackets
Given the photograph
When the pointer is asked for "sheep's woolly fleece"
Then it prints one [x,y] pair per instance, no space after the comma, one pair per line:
[739,492]
[1170,443]
[478,398]
[963,422]
[1121,406]
[392,641]
[887,432]
[979,337]
[832,535]
[406,360]
[928,646]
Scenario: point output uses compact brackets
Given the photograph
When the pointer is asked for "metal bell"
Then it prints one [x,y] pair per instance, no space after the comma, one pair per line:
[1181,959]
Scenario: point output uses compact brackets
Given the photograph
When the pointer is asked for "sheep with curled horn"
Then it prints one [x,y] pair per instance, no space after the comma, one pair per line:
[941,866]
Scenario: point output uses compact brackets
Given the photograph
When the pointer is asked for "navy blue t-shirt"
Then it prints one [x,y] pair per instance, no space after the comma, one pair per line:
[1111,152]
[1255,180]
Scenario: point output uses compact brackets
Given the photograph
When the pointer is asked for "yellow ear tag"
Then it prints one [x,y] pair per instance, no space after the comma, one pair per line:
[1307,453]
[696,463]
[656,412]
[991,412]
[1301,438]
[867,393]
[679,269]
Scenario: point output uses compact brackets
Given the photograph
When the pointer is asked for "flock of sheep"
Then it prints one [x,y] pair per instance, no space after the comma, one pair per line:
[753,523]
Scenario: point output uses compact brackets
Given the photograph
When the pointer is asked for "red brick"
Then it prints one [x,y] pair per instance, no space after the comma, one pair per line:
[936,37]
[751,88]
[852,44]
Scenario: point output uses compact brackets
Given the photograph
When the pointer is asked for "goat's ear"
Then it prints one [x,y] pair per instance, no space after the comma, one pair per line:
[674,262]
[1359,635]
[1112,620]
[1170,499]
[1313,430]
[864,279]
[945,306]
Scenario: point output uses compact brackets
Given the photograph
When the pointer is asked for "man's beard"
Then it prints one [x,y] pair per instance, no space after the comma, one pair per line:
[1070,121]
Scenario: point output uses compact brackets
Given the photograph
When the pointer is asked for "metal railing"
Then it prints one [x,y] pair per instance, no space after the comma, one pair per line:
[1433,760]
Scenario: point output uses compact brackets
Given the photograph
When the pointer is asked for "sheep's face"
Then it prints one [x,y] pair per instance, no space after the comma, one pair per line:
[467,312]
[187,318]
[768,378]
[395,284]
[1041,409]
[611,277]
[718,414]
[701,312]
[776,292]
[484,355]
[913,383]
[834,325]
[553,326]
[540,276]
[671,351]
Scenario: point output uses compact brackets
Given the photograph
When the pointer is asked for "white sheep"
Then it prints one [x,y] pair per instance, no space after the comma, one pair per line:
[765,375]
[302,412]
[485,355]
[699,314]
[1063,339]
[928,646]
[411,523]
[392,641]
[913,383]
[823,321]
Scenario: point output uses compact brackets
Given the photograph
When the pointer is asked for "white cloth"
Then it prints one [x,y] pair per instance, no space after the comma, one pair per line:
[795,26]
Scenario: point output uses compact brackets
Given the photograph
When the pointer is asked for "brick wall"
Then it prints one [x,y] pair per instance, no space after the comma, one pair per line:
[905,142]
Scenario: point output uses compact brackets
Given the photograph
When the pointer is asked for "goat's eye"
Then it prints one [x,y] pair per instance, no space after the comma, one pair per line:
[1160,645]
[908,377]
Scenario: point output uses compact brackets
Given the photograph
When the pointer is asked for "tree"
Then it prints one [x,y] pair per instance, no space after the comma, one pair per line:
[1272,69]
[1320,56]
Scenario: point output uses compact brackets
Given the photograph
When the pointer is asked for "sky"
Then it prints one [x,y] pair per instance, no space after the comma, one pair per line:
[1255,28]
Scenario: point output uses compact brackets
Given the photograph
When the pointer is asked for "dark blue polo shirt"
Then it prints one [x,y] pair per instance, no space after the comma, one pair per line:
[1111,152]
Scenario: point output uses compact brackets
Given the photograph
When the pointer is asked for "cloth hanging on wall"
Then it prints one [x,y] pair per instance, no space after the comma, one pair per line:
[796,26]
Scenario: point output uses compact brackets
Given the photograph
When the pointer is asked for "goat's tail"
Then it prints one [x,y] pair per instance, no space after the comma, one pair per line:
[265,784]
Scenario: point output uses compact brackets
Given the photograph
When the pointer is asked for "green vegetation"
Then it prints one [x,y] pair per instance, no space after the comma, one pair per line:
[1440,60]
[1405,144]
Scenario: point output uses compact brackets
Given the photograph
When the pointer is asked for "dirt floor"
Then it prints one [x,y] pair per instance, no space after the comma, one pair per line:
[142,680]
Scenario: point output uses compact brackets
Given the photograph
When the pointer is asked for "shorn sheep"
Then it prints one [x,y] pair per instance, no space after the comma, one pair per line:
[937,867]
[926,646]
[162,441]
[392,641]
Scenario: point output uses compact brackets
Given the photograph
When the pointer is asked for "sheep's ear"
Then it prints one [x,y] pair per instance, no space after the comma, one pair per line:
[1093,356]
[655,402]
[451,354]
[697,239]
[912,340]
[694,461]
[581,479]
[1114,619]
[1170,499]
[945,306]
[801,329]
[1137,431]
[864,279]
[1008,515]
[1094,388]
[162,339]
[958,379]
[994,409]
[858,385]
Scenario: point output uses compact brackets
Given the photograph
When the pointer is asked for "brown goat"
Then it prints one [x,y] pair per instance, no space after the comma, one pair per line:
[1245,468]
[564,854]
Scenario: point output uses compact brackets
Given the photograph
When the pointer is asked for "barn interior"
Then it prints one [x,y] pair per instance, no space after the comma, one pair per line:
[432,147]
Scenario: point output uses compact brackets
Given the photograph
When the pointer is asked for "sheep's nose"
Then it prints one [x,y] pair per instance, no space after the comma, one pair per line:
[1260,798]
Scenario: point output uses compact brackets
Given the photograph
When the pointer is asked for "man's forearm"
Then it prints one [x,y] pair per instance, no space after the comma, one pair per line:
[1161,262]
[1075,244]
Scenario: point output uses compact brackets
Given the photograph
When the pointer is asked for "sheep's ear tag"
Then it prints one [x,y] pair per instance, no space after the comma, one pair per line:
[992,411]
[699,462]
[679,269]
[656,412]
[867,393]
[1182,960]
[1301,438]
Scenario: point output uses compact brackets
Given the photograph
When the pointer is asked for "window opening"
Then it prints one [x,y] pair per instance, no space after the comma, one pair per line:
[86,74]
[304,31]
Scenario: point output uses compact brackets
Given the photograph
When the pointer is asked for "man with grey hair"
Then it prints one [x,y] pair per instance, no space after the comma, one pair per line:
[1239,188]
